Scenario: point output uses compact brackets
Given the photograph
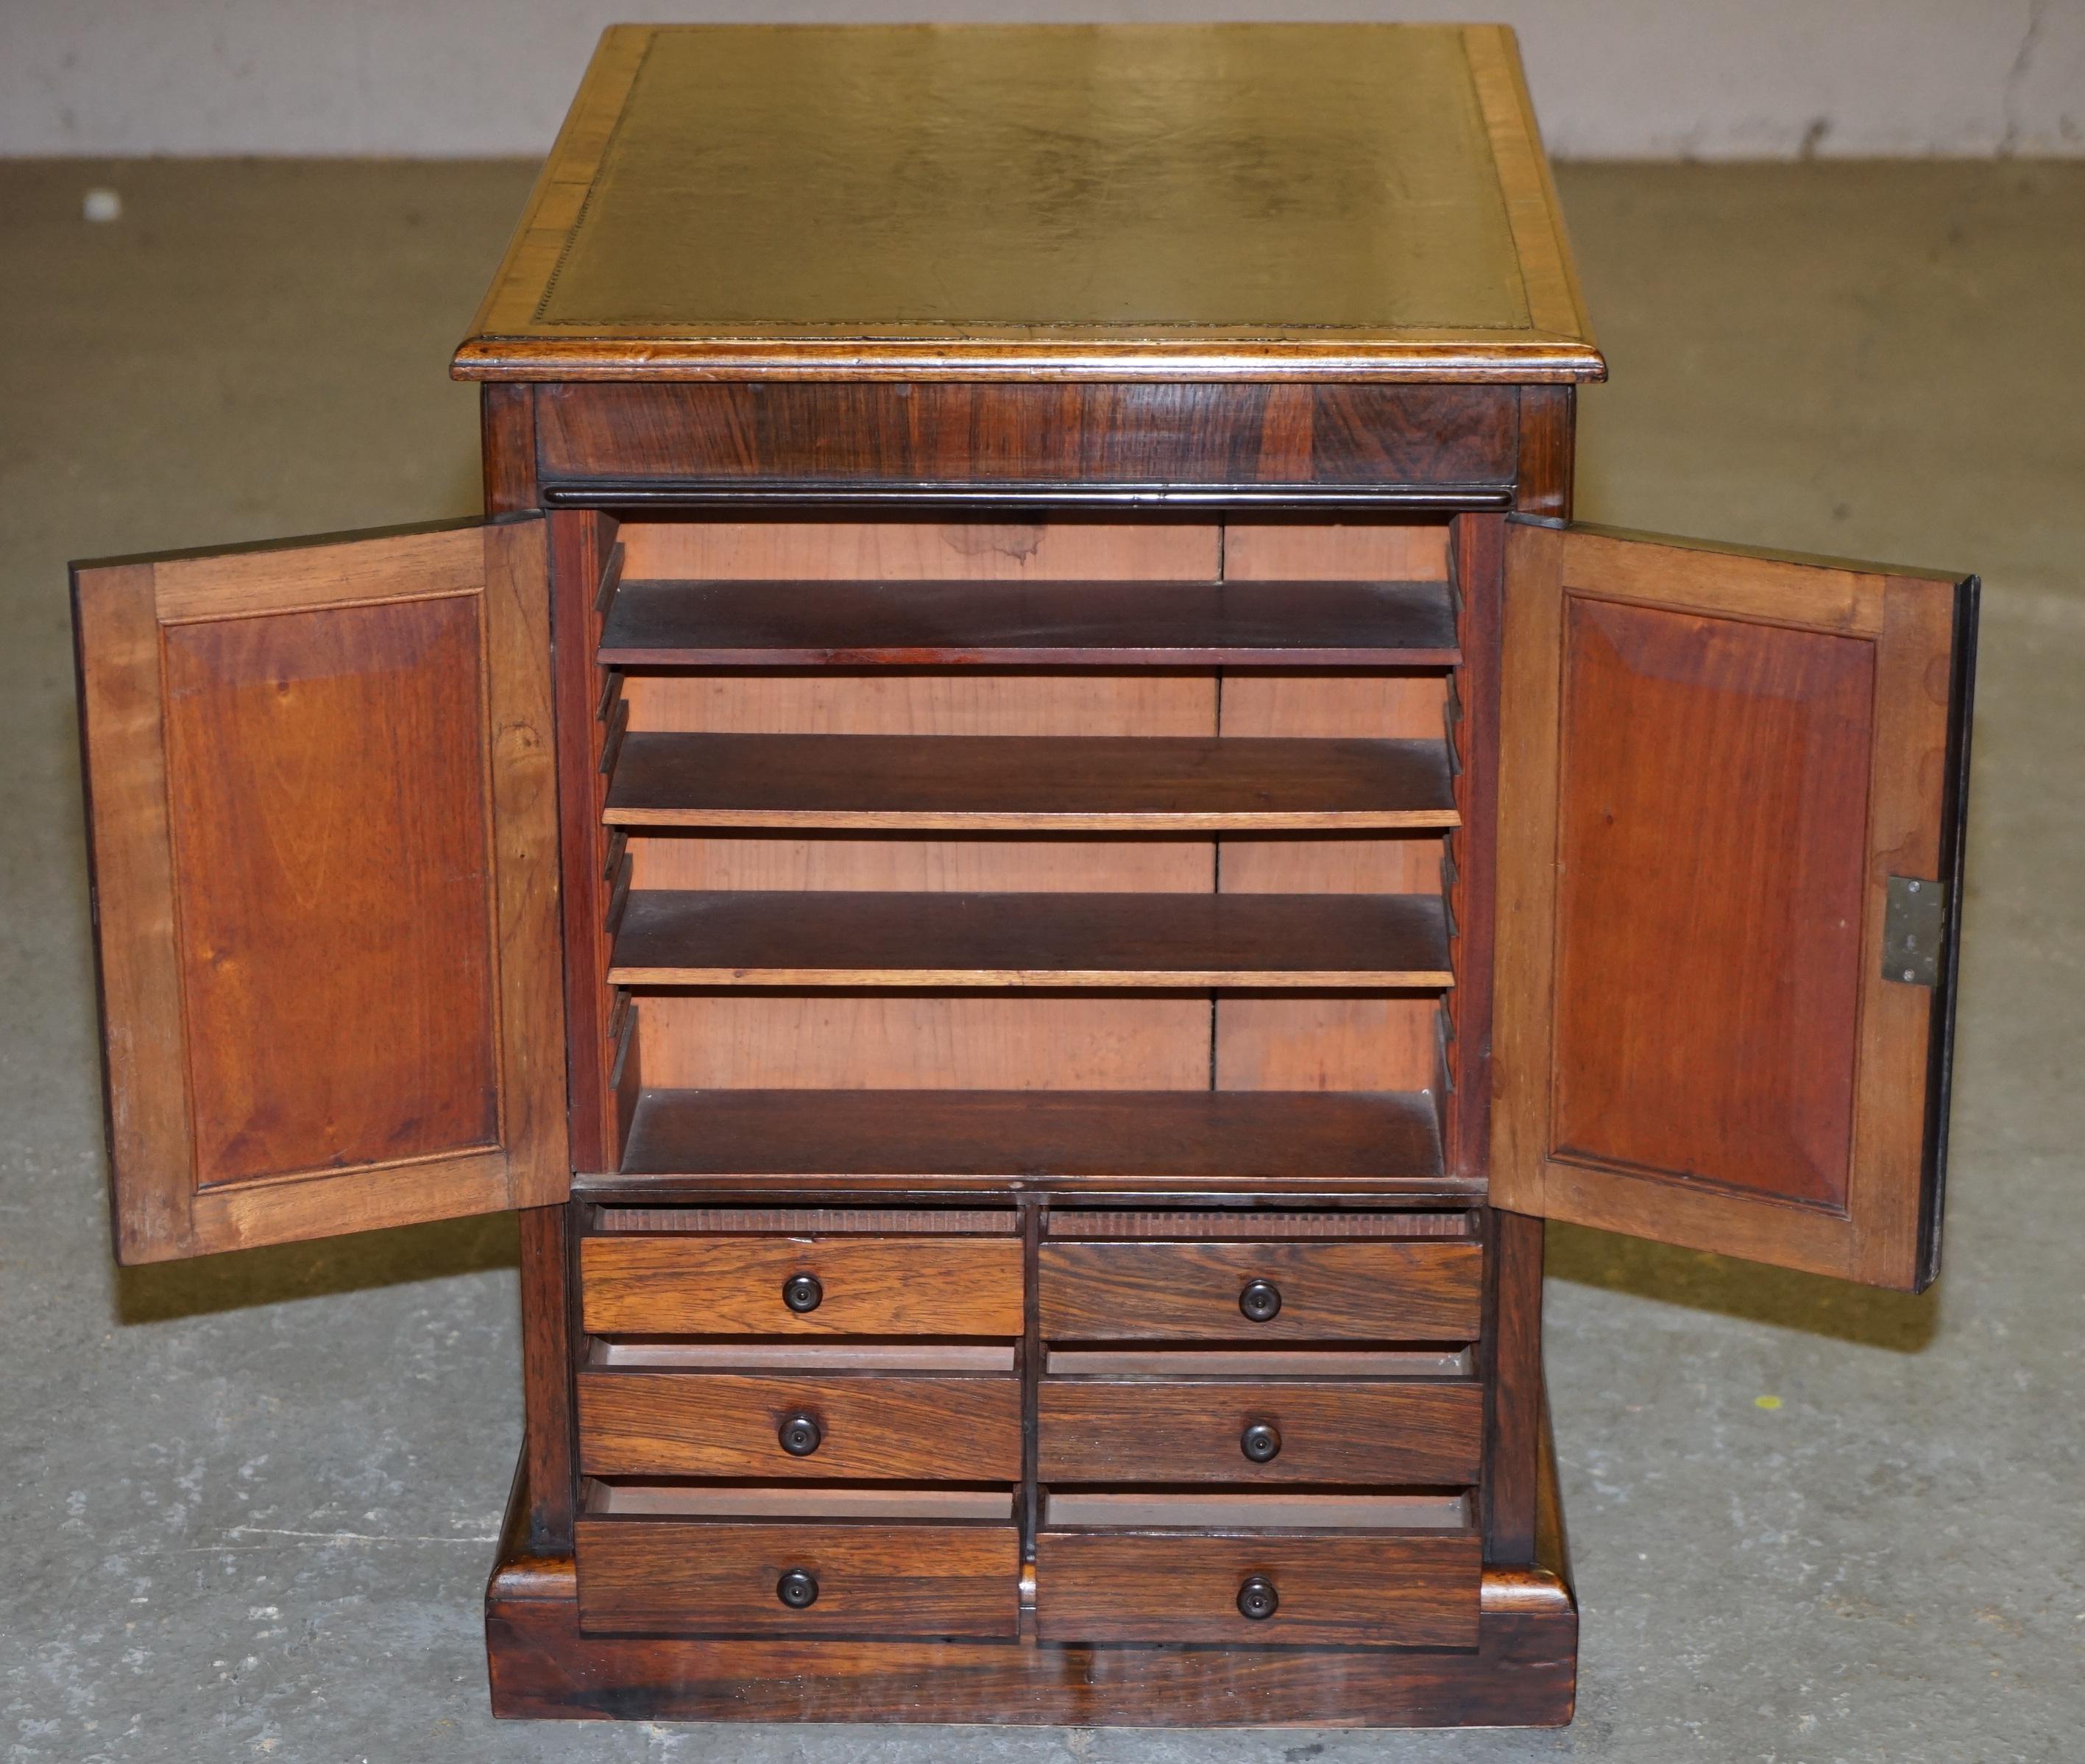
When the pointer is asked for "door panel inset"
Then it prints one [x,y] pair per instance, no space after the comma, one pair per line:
[1709,1029]
[326,786]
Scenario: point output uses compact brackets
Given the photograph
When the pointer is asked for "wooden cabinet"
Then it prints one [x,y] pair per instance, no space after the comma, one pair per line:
[1033,846]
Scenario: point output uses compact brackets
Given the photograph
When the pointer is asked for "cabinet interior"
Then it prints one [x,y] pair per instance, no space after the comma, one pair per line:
[759,1033]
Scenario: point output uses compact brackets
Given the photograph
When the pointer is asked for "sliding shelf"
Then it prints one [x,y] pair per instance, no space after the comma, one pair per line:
[1030,624]
[816,937]
[699,1138]
[1029,783]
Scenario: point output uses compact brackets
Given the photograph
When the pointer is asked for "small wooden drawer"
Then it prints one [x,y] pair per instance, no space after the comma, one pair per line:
[661,1284]
[858,1427]
[1137,1430]
[1144,1569]
[1417,1290]
[788,1567]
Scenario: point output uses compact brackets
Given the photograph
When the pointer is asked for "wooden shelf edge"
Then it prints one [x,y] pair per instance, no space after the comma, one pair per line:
[1049,979]
[1041,783]
[1084,656]
[1079,942]
[718,622]
[1365,1148]
[989,821]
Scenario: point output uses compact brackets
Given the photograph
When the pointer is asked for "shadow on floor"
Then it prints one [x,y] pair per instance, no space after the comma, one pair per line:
[1812,1303]
[164,1291]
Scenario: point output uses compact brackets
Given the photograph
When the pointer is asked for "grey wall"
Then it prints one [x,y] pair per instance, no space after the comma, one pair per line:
[1612,78]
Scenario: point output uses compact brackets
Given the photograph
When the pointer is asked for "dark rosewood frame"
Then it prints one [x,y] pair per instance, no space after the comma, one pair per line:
[1477,451]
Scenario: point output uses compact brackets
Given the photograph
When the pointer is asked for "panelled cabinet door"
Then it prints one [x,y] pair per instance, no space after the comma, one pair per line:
[322,819]
[1729,872]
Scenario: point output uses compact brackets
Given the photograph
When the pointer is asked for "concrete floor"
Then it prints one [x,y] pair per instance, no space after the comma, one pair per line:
[249,1503]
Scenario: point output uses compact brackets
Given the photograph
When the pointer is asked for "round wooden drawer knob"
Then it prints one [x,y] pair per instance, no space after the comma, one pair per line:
[798,1589]
[1257,1599]
[800,1435]
[1261,1301]
[802,1292]
[1261,1443]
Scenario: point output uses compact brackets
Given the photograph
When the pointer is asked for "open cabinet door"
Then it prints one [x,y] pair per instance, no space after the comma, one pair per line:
[1730,794]
[322,821]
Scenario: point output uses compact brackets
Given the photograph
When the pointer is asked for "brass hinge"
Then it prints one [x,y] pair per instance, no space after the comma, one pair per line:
[1914,926]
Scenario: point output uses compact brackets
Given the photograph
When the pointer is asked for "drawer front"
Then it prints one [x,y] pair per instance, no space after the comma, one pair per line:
[1417,1291]
[1138,1430]
[1405,1591]
[664,1576]
[645,1284]
[861,1428]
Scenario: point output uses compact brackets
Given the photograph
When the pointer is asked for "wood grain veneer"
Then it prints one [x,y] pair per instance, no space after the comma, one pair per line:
[1409,1591]
[1427,1290]
[1406,447]
[1155,1428]
[1521,1672]
[656,1285]
[647,1576]
[874,1425]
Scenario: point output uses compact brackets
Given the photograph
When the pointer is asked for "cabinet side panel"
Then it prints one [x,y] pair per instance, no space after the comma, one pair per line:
[507,416]
[1516,1420]
[1546,415]
[507,425]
